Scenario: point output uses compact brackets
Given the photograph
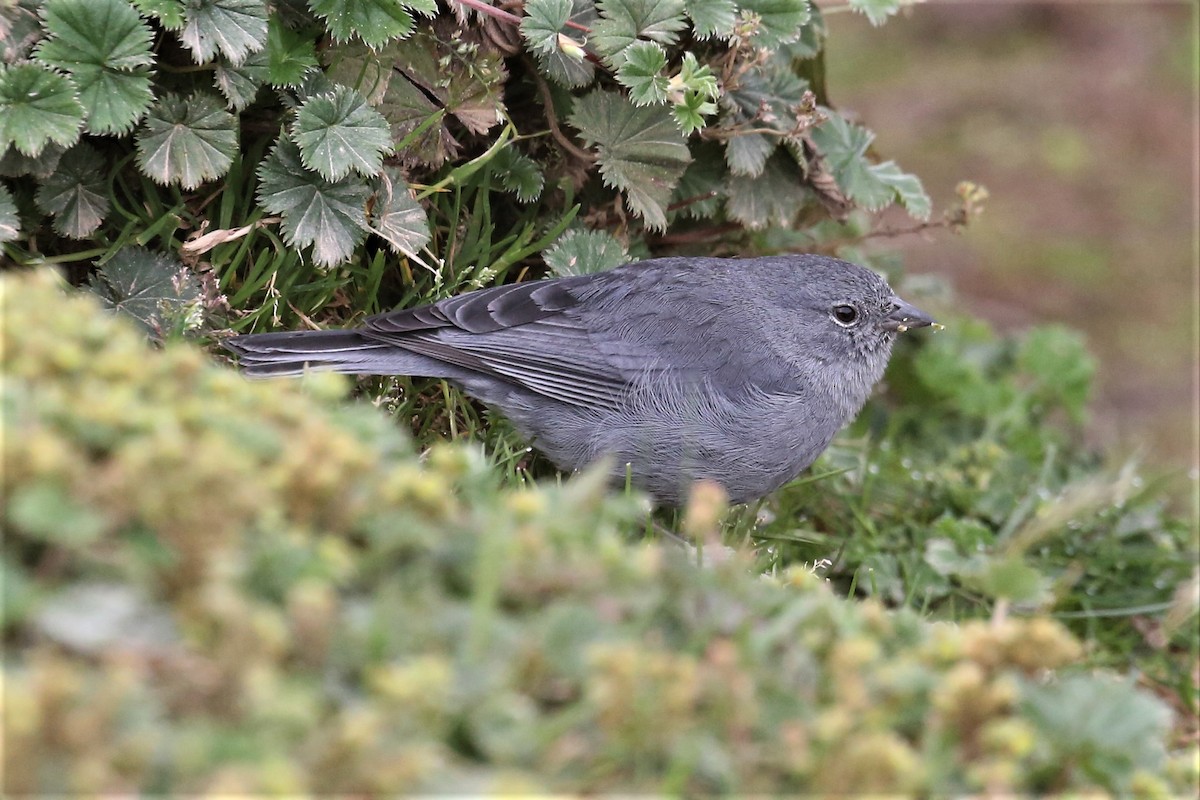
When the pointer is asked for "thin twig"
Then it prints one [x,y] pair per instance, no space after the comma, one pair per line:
[552,121]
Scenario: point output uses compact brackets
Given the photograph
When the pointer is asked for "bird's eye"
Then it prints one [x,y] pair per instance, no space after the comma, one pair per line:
[844,314]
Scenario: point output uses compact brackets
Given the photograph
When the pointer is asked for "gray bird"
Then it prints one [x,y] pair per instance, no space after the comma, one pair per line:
[736,370]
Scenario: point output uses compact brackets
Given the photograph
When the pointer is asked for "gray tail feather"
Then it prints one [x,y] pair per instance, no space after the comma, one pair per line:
[294,352]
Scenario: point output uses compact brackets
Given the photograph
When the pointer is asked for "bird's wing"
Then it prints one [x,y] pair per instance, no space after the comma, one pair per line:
[528,334]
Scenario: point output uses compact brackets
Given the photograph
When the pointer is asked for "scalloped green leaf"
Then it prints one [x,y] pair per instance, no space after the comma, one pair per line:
[566,69]
[105,47]
[579,252]
[75,193]
[232,28]
[773,198]
[871,186]
[877,11]
[156,290]
[328,215]
[768,95]
[518,174]
[543,21]
[187,140]
[623,22]
[37,106]
[641,73]
[640,151]
[712,18]
[169,13]
[339,133]
[397,217]
[10,223]
[240,84]
[376,22]
[779,20]
[747,153]
[907,187]
[291,55]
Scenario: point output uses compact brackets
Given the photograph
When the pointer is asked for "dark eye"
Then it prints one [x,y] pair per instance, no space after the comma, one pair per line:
[845,314]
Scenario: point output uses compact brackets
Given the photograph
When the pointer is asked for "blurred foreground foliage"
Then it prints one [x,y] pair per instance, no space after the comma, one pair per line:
[216,585]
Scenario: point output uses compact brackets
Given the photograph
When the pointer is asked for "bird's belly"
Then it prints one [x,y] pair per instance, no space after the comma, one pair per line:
[749,448]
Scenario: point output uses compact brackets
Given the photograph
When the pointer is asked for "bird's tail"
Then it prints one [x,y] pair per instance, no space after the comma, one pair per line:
[348,351]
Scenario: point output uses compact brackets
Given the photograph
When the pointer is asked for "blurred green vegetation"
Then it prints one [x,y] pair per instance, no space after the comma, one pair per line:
[1080,120]
[234,587]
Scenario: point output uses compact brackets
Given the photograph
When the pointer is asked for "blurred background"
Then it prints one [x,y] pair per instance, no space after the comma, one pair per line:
[1080,119]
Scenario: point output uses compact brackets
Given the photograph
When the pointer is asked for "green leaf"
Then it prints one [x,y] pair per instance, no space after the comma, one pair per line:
[45,511]
[233,28]
[76,193]
[623,22]
[767,95]
[773,198]
[376,22]
[779,20]
[543,21]
[397,217]
[329,215]
[690,112]
[157,291]
[187,140]
[291,55]
[10,223]
[105,34]
[1008,577]
[105,47]
[37,106]
[907,187]
[1104,726]
[563,68]
[518,174]
[580,252]
[466,79]
[844,147]
[877,11]
[169,13]
[701,190]
[641,152]
[1059,369]
[240,84]
[339,133]
[747,154]
[14,163]
[641,73]
[712,17]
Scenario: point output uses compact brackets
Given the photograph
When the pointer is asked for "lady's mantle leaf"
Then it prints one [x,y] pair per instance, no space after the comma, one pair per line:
[328,215]
[397,217]
[154,289]
[105,47]
[376,22]
[75,194]
[187,141]
[339,133]
[641,151]
[37,106]
[580,252]
[233,28]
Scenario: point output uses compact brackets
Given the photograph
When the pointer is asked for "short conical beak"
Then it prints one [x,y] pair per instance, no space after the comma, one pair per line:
[904,316]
